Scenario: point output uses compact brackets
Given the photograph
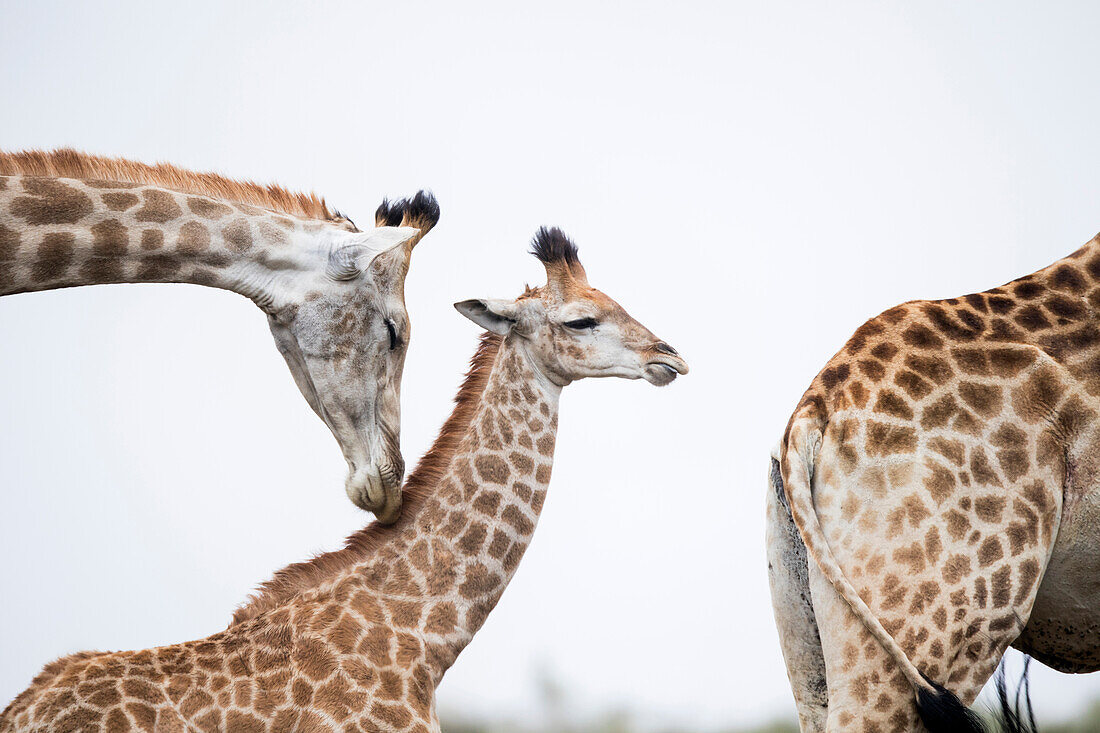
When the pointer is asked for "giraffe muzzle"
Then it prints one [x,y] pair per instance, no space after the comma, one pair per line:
[665,366]
[377,489]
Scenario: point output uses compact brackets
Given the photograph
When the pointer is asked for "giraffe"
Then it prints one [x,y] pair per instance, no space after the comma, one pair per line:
[358,639]
[942,475]
[333,295]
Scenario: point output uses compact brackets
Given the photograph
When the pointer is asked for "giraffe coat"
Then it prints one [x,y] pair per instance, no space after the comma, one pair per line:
[334,296]
[358,639]
[364,648]
[935,499]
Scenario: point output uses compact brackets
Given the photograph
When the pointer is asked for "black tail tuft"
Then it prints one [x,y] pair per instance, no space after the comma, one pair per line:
[1017,717]
[942,711]
[420,211]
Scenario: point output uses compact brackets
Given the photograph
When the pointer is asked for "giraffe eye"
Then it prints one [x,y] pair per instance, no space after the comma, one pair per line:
[581,324]
[394,340]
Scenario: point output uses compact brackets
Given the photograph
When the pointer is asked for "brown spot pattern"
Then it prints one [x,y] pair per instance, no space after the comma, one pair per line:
[950,430]
[160,207]
[207,208]
[55,254]
[238,235]
[193,238]
[109,239]
[50,201]
[119,201]
[152,239]
[381,621]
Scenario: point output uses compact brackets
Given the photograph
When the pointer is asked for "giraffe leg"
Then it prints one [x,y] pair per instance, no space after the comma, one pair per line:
[955,638]
[867,692]
[949,570]
[794,614]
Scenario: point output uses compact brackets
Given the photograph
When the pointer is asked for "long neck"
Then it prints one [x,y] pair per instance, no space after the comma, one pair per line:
[58,233]
[454,554]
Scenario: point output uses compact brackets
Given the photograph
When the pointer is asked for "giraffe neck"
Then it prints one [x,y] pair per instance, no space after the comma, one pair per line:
[58,233]
[469,514]
[468,537]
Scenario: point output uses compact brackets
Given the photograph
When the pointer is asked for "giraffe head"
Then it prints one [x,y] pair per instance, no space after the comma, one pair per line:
[570,329]
[345,342]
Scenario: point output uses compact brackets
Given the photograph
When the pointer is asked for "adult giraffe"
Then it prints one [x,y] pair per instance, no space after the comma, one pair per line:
[943,474]
[333,295]
[358,640]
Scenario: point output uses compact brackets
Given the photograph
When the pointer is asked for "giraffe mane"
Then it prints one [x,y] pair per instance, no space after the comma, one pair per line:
[299,577]
[69,163]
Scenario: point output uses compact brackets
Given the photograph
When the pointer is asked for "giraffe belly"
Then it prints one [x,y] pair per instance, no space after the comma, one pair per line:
[1063,630]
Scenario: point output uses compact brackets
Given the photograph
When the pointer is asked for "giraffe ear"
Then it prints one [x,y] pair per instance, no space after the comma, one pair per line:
[347,262]
[498,316]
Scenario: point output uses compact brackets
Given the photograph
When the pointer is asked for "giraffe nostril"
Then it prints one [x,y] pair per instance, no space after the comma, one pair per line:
[665,349]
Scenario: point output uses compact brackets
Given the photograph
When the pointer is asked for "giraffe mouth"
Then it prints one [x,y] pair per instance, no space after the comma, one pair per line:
[377,489]
[664,371]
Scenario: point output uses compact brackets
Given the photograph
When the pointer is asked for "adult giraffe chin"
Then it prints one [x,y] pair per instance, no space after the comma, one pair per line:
[942,475]
[333,295]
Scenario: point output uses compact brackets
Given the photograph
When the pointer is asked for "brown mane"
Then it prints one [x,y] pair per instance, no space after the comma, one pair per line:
[301,576]
[69,163]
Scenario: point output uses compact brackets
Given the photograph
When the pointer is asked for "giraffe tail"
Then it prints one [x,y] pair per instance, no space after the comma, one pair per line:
[939,708]
[420,211]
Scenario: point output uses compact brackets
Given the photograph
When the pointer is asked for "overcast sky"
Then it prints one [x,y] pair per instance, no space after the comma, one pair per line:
[750,180]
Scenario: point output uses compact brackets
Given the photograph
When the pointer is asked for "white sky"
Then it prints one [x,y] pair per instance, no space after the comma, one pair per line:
[751,181]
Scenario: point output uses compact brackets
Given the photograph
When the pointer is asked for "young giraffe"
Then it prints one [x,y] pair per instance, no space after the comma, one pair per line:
[358,639]
[334,295]
[943,473]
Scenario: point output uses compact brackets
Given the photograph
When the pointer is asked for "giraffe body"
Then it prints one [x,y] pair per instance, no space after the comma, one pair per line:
[358,639]
[364,648]
[935,499]
[334,295]
[1063,630]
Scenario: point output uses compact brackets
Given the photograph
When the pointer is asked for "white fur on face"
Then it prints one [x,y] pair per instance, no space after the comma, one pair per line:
[336,338]
[584,335]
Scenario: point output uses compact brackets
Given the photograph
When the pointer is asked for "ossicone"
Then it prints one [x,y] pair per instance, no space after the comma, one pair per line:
[558,254]
[420,211]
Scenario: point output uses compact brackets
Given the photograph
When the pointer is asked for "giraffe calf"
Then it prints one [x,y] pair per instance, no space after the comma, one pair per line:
[359,639]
